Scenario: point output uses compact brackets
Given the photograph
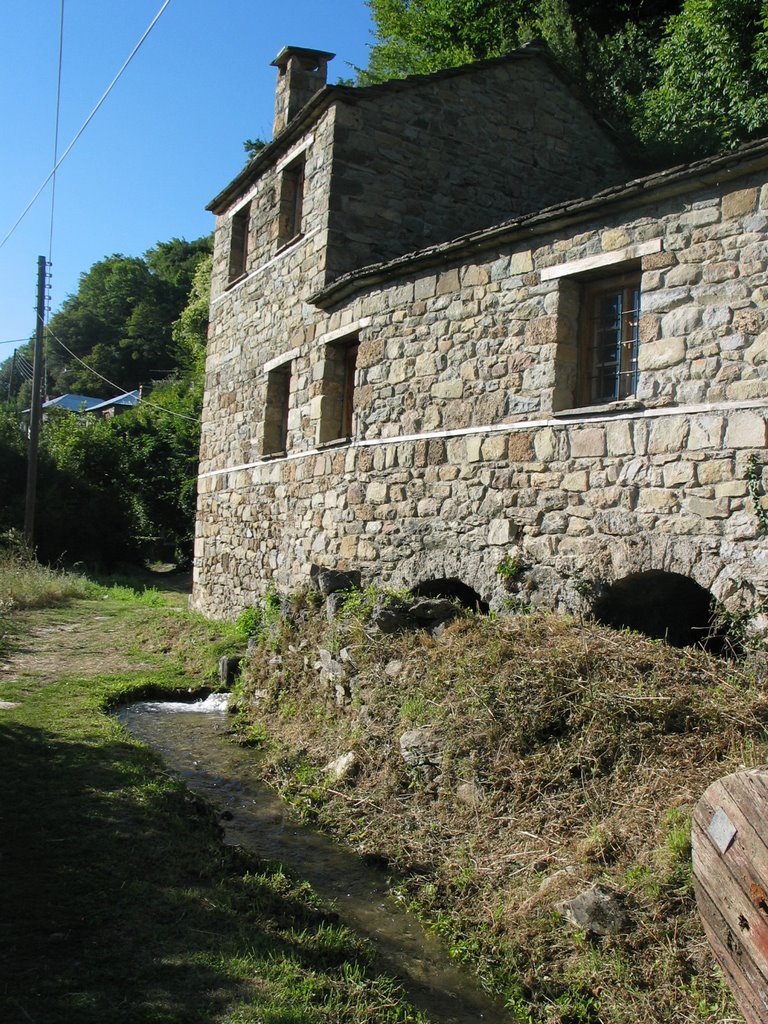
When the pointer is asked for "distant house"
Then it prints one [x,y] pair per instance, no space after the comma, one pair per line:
[73,403]
[113,406]
[456,340]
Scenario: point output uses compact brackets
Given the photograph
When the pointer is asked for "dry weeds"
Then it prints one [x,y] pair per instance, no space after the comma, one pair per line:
[582,752]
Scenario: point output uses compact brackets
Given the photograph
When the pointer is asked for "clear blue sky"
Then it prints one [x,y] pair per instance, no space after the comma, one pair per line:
[166,140]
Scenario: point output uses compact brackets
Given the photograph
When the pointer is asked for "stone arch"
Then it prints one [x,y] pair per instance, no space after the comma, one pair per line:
[454,589]
[660,604]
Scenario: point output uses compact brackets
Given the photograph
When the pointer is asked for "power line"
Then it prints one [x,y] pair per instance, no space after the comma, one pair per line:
[87,121]
[56,131]
[120,390]
[15,341]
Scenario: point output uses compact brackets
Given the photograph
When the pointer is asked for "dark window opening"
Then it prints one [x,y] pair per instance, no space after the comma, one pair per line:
[276,411]
[338,398]
[453,589]
[609,340]
[291,202]
[664,606]
[238,248]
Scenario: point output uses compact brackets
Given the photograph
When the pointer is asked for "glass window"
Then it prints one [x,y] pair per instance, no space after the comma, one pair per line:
[610,340]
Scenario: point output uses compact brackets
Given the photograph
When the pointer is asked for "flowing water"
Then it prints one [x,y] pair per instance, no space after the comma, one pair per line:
[191,739]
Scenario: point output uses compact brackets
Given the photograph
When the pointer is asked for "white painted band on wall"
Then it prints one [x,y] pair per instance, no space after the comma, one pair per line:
[232,289]
[571,421]
[291,155]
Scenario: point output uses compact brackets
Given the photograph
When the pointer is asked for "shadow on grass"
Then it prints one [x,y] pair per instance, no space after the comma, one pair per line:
[119,902]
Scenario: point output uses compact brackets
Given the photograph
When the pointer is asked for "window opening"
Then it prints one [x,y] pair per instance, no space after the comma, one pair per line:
[238,249]
[338,399]
[610,342]
[291,202]
[276,409]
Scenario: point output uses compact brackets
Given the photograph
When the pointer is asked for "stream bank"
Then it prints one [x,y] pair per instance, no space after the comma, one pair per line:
[511,770]
[192,740]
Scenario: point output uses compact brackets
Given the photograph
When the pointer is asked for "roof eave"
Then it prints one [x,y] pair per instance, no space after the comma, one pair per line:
[660,185]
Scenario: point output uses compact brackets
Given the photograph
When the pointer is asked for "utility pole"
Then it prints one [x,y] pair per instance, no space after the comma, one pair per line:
[36,411]
[10,375]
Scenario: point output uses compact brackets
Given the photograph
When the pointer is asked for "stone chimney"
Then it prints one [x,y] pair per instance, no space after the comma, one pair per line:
[301,73]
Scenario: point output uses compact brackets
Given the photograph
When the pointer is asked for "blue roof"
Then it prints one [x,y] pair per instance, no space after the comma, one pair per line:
[128,400]
[73,403]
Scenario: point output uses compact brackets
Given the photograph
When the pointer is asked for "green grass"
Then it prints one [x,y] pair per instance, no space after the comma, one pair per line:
[24,583]
[120,903]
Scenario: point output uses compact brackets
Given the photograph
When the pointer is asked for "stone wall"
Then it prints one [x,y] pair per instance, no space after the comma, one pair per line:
[428,159]
[467,450]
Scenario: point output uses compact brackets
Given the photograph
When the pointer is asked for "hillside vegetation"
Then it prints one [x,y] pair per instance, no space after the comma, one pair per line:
[542,756]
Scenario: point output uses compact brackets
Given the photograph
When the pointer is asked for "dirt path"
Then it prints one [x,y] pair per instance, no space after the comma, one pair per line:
[85,639]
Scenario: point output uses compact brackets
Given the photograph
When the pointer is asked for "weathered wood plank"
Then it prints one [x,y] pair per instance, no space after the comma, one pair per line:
[738,975]
[730,865]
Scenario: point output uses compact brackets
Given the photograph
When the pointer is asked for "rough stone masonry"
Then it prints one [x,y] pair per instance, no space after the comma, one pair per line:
[451,334]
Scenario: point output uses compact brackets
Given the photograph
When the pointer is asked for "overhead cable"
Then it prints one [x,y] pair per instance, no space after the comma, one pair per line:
[120,390]
[56,131]
[87,121]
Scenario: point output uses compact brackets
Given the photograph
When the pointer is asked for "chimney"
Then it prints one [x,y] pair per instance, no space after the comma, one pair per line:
[301,73]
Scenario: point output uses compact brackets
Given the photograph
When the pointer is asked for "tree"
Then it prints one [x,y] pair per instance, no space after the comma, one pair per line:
[682,77]
[712,89]
[120,321]
[420,36]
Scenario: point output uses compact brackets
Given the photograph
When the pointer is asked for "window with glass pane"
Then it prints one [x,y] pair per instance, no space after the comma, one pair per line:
[612,334]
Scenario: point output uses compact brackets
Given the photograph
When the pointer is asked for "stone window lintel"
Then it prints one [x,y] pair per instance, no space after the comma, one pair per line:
[602,259]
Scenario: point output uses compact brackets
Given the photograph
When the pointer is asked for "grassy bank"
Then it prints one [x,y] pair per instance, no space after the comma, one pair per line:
[120,902]
[560,755]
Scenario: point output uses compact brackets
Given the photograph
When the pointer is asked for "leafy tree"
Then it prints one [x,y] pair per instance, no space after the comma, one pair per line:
[119,322]
[712,90]
[190,331]
[13,469]
[684,77]
[420,36]
[121,489]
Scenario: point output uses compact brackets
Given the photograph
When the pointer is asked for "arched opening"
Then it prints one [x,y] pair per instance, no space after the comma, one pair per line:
[663,605]
[453,589]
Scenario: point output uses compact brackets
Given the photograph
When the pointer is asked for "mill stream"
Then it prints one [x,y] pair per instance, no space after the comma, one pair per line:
[191,739]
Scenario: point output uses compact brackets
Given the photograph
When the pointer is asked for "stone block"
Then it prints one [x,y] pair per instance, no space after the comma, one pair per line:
[618,438]
[541,331]
[473,444]
[668,434]
[521,262]
[447,282]
[494,447]
[714,471]
[706,432]
[448,389]
[656,499]
[545,443]
[577,482]
[745,429]
[705,508]
[376,492]
[680,322]
[520,446]
[501,531]
[740,204]
[587,442]
[662,354]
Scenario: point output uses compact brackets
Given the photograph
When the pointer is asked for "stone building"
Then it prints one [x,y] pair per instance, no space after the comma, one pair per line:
[456,345]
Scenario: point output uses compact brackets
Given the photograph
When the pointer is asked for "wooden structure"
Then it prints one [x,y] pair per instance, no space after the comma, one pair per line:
[730,869]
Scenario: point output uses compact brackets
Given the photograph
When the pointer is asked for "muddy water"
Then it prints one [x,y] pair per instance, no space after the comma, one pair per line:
[191,740]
